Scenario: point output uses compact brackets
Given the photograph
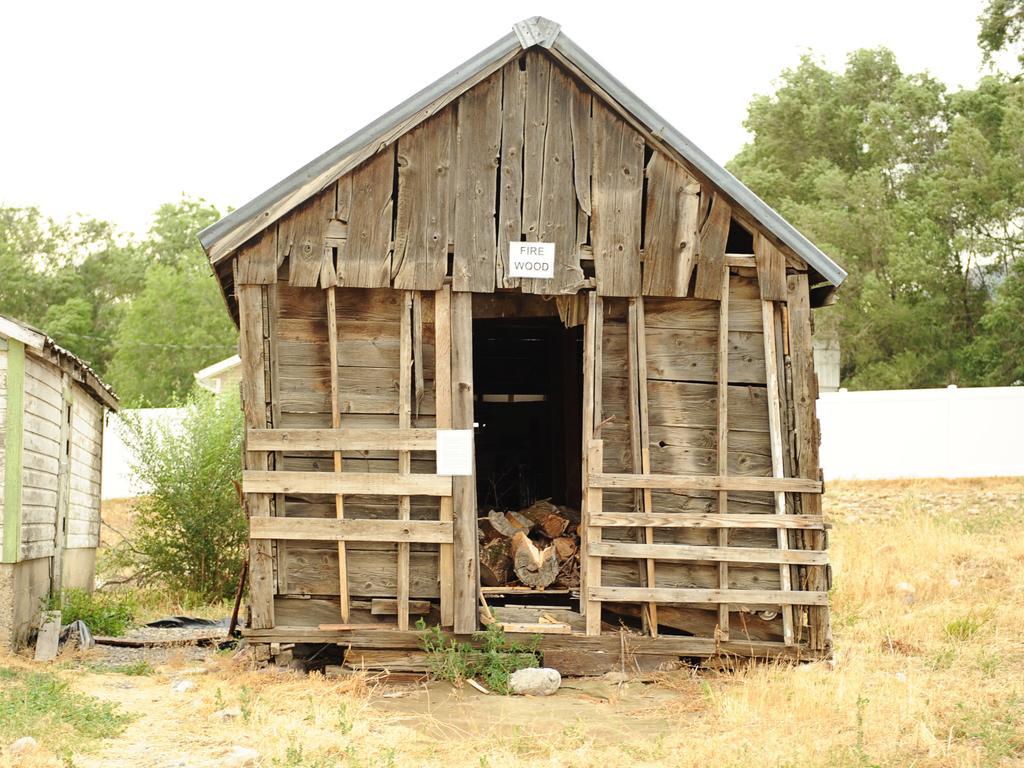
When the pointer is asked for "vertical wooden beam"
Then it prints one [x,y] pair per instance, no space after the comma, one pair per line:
[595,458]
[775,435]
[404,457]
[417,351]
[339,501]
[466,575]
[14,436]
[639,436]
[60,536]
[723,443]
[443,395]
[589,377]
[254,407]
[805,393]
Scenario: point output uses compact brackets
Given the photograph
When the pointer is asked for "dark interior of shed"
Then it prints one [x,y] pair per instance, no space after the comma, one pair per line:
[528,382]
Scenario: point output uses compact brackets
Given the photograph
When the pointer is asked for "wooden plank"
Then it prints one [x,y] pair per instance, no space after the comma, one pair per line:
[617,190]
[722,442]
[254,407]
[364,261]
[696,553]
[783,597]
[466,557]
[258,259]
[64,488]
[341,439]
[477,152]
[404,458]
[371,483]
[339,500]
[347,529]
[582,144]
[591,380]
[443,388]
[48,639]
[422,227]
[557,213]
[713,238]
[300,239]
[778,470]
[706,520]
[385,607]
[518,627]
[538,78]
[805,394]
[13,450]
[704,483]
[670,229]
[592,563]
[771,269]
[419,361]
[510,199]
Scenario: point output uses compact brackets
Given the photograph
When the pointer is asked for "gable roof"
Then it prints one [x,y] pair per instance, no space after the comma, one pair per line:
[219,240]
[46,347]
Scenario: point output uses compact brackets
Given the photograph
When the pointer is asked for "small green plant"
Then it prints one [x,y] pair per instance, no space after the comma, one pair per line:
[493,660]
[104,614]
[41,705]
[995,727]
[344,719]
[245,702]
[139,668]
[296,757]
[964,628]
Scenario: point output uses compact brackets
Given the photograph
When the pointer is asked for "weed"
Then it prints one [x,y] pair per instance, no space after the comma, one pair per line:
[245,702]
[141,668]
[344,718]
[964,628]
[493,660]
[41,705]
[104,614]
[995,727]
[296,757]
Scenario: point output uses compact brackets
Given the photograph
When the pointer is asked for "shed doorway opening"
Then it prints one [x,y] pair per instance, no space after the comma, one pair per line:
[528,385]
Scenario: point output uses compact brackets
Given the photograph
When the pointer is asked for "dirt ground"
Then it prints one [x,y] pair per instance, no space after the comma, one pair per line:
[928,671]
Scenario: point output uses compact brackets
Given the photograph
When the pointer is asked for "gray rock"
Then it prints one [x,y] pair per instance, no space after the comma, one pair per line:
[535,682]
[23,746]
[242,757]
[229,713]
[182,686]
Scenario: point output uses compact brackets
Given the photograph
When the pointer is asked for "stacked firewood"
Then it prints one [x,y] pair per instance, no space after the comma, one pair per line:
[535,547]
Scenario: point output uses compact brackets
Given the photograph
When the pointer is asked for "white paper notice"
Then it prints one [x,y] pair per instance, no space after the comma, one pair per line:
[531,260]
[455,451]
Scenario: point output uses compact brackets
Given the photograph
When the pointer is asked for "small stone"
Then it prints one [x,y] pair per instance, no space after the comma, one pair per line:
[907,592]
[535,682]
[901,677]
[23,746]
[183,686]
[241,757]
[228,713]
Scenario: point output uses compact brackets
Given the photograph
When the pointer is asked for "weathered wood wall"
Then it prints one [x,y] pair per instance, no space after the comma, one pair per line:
[86,459]
[527,154]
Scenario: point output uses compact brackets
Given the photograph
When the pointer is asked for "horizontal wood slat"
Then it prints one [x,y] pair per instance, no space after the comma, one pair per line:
[704,483]
[345,529]
[707,553]
[366,439]
[370,483]
[703,520]
[730,596]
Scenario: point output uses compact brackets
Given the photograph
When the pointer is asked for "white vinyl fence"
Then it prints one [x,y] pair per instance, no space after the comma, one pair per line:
[950,432]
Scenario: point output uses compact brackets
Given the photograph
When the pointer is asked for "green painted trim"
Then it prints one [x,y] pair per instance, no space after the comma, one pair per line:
[13,439]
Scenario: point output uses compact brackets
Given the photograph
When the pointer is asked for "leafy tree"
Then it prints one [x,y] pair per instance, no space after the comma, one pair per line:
[1002,25]
[190,531]
[916,191]
[177,323]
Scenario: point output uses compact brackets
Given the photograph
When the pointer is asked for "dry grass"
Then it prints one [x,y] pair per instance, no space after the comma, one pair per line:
[928,671]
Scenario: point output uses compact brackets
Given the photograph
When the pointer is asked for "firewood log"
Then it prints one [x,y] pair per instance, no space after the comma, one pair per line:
[565,547]
[496,563]
[509,523]
[534,567]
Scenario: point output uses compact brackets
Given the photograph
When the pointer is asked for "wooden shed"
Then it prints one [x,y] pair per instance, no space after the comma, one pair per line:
[51,446]
[659,379]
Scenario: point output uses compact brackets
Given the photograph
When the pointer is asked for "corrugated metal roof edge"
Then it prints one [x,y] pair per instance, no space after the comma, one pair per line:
[563,45]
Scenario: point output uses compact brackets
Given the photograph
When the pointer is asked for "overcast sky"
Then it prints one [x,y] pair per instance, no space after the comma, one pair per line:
[111,109]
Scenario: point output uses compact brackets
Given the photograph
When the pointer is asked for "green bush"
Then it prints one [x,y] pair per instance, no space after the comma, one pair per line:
[190,531]
[493,660]
[104,614]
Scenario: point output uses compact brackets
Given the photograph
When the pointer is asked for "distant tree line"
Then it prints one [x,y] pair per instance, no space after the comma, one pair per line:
[919,192]
[145,313]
